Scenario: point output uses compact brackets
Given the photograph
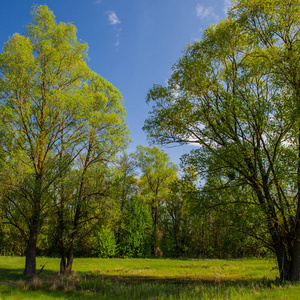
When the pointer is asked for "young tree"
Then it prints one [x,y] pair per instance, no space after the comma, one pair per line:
[236,94]
[55,107]
[175,219]
[106,134]
[157,173]
[123,190]
[136,241]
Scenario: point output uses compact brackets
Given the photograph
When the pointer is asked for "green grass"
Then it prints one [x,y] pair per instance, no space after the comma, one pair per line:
[95,278]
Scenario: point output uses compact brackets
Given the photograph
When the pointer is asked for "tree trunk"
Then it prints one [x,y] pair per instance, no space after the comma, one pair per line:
[70,259]
[30,262]
[34,227]
[63,265]
[282,261]
[289,259]
[289,269]
[61,242]
[154,245]
[295,262]
[66,263]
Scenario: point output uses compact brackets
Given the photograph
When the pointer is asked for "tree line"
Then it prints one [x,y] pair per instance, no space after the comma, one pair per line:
[68,187]
[135,206]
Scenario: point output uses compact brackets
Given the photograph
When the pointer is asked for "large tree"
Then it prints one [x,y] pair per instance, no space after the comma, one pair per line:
[58,110]
[236,94]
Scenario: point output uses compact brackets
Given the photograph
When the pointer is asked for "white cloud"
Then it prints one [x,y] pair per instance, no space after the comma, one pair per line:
[117,42]
[192,141]
[113,18]
[206,12]
[227,4]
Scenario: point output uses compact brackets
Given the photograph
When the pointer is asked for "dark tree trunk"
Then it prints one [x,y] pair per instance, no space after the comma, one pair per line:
[66,263]
[63,265]
[282,261]
[154,246]
[30,261]
[295,261]
[289,269]
[288,258]
[61,230]
[70,259]
[295,253]
[35,225]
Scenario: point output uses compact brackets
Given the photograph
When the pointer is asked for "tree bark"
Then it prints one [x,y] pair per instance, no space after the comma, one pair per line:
[30,261]
[295,262]
[66,263]
[295,265]
[282,261]
[154,245]
[70,258]
[34,229]
[63,265]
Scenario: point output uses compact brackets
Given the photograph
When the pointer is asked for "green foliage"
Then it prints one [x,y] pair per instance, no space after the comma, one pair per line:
[235,93]
[177,222]
[157,173]
[104,243]
[136,240]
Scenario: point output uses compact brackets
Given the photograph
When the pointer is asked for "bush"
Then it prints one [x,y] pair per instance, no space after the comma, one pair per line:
[105,243]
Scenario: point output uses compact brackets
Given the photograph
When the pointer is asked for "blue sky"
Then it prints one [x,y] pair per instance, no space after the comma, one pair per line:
[132,43]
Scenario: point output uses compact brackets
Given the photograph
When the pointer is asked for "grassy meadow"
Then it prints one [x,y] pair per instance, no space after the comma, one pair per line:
[95,278]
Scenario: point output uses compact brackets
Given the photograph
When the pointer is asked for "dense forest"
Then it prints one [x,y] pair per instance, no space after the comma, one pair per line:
[69,188]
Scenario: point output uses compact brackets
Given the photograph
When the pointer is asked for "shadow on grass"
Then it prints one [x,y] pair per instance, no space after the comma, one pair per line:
[7,274]
[79,285]
[174,280]
[10,274]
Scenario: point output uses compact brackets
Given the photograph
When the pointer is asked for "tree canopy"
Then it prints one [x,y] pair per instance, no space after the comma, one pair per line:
[236,94]
[58,111]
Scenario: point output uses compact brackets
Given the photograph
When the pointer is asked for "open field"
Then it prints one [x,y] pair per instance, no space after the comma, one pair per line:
[95,278]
